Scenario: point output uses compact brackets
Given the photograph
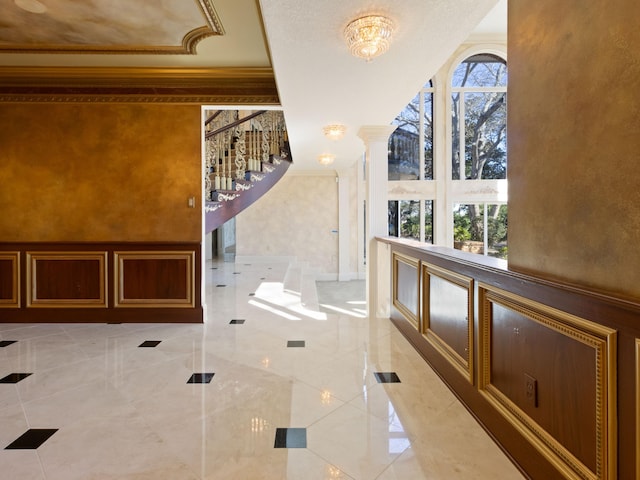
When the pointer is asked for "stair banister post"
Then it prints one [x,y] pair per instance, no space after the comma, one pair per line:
[376,141]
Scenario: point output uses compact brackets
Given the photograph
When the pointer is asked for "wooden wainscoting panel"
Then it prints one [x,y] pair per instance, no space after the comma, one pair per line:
[154,279]
[637,407]
[406,287]
[552,375]
[448,316]
[10,279]
[66,279]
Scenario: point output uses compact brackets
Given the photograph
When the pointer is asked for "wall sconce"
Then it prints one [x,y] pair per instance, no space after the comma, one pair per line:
[334,131]
[326,159]
[370,36]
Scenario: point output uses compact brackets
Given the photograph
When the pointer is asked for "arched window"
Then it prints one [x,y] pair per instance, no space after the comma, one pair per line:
[479,118]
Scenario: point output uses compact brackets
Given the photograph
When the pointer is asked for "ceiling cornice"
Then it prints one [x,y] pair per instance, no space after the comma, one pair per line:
[217,85]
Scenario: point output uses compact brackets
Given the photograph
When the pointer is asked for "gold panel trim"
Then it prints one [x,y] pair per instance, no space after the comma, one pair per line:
[121,302]
[402,308]
[212,17]
[463,365]
[272,100]
[32,270]
[14,301]
[116,76]
[603,340]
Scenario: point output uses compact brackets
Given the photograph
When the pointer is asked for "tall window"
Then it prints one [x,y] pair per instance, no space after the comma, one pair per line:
[479,118]
[431,204]
[411,144]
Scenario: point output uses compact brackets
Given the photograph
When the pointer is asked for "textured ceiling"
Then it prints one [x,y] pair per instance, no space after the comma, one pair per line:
[300,41]
[320,82]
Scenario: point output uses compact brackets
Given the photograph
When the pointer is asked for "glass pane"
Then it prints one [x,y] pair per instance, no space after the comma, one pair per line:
[393,218]
[485,135]
[428,221]
[482,70]
[428,136]
[497,230]
[409,215]
[455,136]
[468,228]
[404,144]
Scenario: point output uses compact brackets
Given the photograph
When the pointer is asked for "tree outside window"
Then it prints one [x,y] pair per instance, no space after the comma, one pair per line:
[479,118]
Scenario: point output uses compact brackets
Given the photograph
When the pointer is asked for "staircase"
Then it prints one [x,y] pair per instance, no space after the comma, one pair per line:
[246,154]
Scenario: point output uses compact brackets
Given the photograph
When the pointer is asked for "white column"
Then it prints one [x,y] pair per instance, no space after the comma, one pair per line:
[344,230]
[376,140]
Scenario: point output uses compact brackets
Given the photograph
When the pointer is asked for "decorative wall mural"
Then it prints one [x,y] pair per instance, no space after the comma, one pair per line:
[107,26]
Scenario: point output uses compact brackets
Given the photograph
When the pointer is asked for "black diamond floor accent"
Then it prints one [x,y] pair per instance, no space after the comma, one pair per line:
[6,343]
[31,439]
[291,438]
[150,343]
[295,343]
[237,273]
[263,278]
[214,268]
[201,378]
[220,285]
[14,377]
[387,377]
[237,321]
[252,294]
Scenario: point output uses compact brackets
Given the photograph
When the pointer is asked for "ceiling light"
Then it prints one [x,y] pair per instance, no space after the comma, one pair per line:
[326,159]
[334,132]
[370,36]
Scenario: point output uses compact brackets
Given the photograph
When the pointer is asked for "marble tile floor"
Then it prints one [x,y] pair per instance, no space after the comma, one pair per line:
[232,398]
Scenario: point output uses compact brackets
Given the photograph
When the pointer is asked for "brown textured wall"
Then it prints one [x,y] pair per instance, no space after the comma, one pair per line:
[99,172]
[574,147]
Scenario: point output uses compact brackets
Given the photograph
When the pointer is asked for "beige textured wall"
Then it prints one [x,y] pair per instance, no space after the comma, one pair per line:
[574,147]
[99,172]
[295,218]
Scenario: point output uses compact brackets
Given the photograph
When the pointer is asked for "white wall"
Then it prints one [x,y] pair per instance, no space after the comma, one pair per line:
[297,218]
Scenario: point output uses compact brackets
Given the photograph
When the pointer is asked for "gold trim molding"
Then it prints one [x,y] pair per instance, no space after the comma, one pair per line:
[14,301]
[187,302]
[215,85]
[603,342]
[463,365]
[32,293]
[414,319]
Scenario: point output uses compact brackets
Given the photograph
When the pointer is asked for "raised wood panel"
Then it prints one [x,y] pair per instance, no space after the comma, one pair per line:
[553,376]
[66,279]
[448,316]
[10,279]
[154,279]
[637,405]
[406,281]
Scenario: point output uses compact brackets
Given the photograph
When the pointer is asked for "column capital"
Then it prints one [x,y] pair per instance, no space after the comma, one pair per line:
[376,133]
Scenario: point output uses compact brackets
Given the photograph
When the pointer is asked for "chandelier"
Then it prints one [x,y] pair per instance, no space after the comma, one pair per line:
[370,36]
[335,131]
[326,159]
